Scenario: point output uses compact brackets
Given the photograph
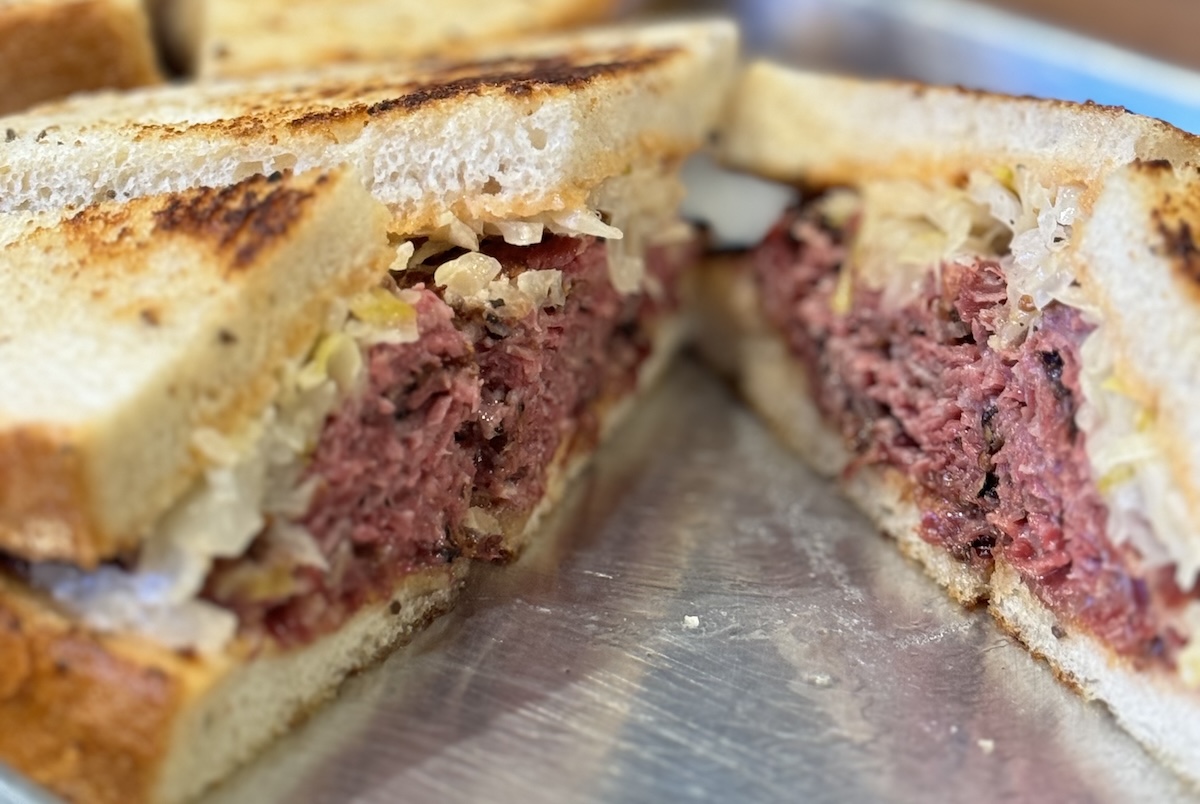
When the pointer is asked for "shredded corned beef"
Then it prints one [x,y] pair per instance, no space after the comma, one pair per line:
[394,487]
[986,434]
[543,374]
[546,376]
[478,402]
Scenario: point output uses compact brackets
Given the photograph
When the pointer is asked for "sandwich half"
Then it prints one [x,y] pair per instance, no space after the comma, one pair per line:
[227,38]
[51,48]
[980,318]
[224,528]
[544,180]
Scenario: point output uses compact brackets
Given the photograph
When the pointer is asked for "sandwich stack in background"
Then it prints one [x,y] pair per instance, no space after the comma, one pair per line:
[417,303]
[51,48]
[981,319]
[215,38]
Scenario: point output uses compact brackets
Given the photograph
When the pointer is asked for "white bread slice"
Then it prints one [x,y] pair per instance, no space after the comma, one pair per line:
[1135,260]
[215,38]
[825,130]
[1138,256]
[512,137]
[121,720]
[128,327]
[51,48]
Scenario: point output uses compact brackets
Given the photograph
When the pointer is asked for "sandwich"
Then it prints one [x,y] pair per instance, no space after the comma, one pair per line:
[226,38]
[345,333]
[51,48]
[979,317]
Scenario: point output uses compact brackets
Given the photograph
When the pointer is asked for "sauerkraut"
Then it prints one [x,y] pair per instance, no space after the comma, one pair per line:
[253,487]
[473,281]
[905,227]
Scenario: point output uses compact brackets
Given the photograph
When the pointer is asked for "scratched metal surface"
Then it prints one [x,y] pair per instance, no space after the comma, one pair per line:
[820,666]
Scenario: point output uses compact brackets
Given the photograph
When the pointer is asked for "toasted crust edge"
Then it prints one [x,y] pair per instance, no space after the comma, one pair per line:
[119,719]
[58,499]
[226,56]
[824,130]
[49,50]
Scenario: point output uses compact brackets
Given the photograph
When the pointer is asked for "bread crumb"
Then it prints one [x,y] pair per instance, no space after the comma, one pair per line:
[987,746]
[690,622]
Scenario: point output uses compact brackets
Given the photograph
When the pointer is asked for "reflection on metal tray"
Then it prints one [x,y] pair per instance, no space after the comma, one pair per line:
[706,621]
[710,622]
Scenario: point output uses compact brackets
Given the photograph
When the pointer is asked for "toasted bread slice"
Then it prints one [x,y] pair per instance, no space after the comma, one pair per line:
[1130,263]
[213,38]
[570,123]
[130,327]
[51,48]
[534,132]
[824,130]
[117,719]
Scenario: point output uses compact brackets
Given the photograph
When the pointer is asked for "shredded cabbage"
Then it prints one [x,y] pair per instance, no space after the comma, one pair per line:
[906,227]
[1040,224]
[473,281]
[627,266]
[253,487]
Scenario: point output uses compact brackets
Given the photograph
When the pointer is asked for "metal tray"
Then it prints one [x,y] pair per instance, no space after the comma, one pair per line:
[707,621]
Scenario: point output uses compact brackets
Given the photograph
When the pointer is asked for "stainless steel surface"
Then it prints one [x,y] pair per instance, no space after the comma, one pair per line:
[820,666]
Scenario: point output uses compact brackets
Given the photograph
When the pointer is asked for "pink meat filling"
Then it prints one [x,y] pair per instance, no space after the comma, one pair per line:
[986,434]
[543,375]
[394,487]
[474,412]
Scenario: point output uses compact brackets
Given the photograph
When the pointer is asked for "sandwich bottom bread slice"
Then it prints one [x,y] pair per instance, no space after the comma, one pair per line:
[359,416]
[980,318]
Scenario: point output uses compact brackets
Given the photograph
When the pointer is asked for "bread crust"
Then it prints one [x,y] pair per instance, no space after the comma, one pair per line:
[63,692]
[116,719]
[226,39]
[820,131]
[515,134]
[49,49]
[189,298]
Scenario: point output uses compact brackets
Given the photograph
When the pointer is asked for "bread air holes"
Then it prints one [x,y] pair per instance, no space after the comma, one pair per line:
[538,138]
[247,169]
[284,162]
[492,186]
